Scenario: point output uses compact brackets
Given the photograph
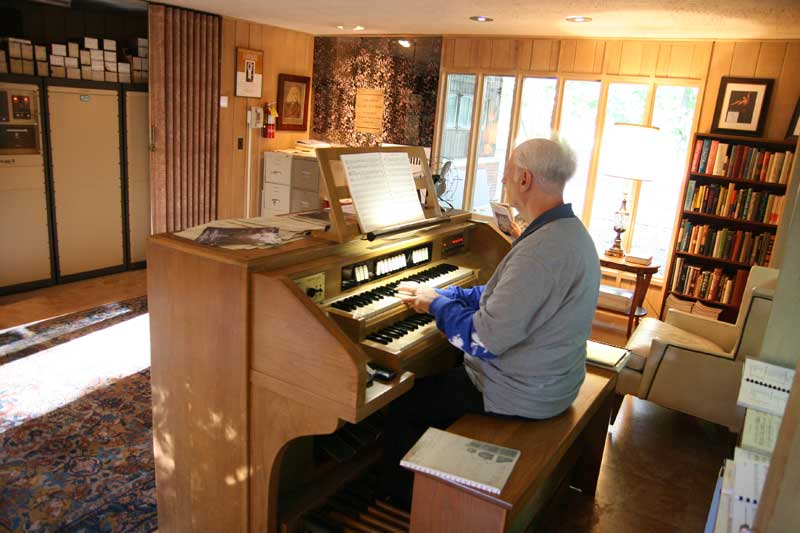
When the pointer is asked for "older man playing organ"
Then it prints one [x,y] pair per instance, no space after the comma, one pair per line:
[524,333]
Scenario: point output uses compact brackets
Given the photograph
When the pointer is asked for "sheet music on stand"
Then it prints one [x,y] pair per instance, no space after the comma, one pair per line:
[382,188]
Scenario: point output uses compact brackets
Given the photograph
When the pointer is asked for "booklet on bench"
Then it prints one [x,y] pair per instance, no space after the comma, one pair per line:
[470,462]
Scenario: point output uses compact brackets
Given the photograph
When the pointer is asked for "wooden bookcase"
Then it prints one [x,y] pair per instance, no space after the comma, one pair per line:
[730,212]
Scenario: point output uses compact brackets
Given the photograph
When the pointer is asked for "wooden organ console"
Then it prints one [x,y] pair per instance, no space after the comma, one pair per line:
[257,354]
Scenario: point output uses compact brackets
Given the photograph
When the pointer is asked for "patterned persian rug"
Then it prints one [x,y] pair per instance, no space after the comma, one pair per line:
[75,423]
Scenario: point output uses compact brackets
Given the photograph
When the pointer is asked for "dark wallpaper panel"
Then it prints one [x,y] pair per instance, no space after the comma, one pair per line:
[409,77]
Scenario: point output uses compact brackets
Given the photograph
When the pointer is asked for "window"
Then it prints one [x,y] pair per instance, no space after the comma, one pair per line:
[498,99]
[536,108]
[673,112]
[455,137]
[626,102]
[577,127]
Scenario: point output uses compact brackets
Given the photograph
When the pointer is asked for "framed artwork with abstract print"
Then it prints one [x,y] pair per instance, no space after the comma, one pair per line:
[294,94]
[742,106]
[793,133]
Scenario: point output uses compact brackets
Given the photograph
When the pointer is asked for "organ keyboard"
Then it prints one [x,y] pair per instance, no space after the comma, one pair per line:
[373,300]
[403,335]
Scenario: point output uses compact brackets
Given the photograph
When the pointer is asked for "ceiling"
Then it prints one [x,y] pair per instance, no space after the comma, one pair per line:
[681,19]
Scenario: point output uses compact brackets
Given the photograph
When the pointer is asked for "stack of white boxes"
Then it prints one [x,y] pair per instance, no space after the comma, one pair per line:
[90,59]
[291,182]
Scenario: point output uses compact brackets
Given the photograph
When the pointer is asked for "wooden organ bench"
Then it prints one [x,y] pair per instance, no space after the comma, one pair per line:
[567,448]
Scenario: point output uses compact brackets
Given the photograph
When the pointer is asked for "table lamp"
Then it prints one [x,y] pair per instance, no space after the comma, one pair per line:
[630,152]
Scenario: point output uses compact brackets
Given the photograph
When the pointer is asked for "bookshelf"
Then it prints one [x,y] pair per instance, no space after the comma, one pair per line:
[732,197]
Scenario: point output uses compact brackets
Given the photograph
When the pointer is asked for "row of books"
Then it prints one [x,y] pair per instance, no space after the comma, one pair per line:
[692,307]
[725,243]
[739,161]
[713,285]
[728,201]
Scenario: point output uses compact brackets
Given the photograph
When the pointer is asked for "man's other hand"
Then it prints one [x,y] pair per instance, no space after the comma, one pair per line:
[417,296]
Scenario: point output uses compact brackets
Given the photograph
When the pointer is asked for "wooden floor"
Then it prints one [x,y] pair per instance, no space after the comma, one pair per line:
[50,302]
[659,467]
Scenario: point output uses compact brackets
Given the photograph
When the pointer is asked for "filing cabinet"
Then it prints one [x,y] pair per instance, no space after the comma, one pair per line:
[291,182]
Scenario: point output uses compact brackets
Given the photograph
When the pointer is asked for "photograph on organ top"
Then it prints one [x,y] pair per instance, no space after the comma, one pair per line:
[227,236]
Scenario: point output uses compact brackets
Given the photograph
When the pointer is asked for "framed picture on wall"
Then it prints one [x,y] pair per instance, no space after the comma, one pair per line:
[294,94]
[249,71]
[742,106]
[793,132]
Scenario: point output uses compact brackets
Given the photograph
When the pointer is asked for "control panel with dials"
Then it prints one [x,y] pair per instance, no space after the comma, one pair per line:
[19,121]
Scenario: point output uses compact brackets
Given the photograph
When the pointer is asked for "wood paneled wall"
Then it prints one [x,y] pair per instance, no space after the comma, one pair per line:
[705,61]
[778,60]
[285,52]
[664,59]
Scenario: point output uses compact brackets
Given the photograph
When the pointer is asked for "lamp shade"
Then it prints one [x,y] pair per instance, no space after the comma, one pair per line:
[632,151]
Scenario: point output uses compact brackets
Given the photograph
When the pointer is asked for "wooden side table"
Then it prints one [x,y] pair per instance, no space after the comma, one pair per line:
[643,275]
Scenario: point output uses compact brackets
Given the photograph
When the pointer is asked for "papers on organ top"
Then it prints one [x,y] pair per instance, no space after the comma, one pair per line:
[383,190]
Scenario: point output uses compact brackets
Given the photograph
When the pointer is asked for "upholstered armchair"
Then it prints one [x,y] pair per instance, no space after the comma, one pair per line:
[693,364]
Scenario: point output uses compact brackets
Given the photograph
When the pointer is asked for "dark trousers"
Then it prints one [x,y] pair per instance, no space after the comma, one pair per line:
[435,401]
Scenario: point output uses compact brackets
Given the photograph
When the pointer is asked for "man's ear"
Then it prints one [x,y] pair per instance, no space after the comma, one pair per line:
[525,180]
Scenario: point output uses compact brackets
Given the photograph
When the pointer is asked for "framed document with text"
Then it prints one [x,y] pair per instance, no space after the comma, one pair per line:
[249,72]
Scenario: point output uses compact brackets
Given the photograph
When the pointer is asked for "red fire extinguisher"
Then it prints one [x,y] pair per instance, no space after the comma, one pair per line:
[268,130]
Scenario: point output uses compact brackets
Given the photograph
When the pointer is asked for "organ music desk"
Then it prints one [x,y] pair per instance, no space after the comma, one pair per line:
[254,352]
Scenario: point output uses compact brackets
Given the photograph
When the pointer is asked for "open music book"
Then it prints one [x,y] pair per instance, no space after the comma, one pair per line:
[465,461]
[383,189]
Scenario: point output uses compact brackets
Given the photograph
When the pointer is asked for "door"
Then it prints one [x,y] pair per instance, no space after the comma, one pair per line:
[85,149]
[138,156]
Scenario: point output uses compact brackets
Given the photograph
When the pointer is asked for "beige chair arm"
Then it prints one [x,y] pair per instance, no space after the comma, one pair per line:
[658,348]
[723,334]
[700,384]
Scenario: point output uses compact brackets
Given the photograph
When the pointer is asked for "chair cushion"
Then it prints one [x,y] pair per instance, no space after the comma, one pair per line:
[650,328]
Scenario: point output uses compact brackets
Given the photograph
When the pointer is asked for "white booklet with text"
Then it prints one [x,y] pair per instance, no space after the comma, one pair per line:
[765,387]
[469,462]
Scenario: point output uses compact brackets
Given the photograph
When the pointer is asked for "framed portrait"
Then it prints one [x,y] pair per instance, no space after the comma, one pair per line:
[249,71]
[294,94]
[794,125]
[742,106]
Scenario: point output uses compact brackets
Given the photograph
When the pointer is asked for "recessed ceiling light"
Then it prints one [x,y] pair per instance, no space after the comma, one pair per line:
[404,43]
[481,18]
[579,18]
[353,27]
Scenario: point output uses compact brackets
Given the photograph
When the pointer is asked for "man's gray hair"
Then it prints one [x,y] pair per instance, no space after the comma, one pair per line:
[552,162]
